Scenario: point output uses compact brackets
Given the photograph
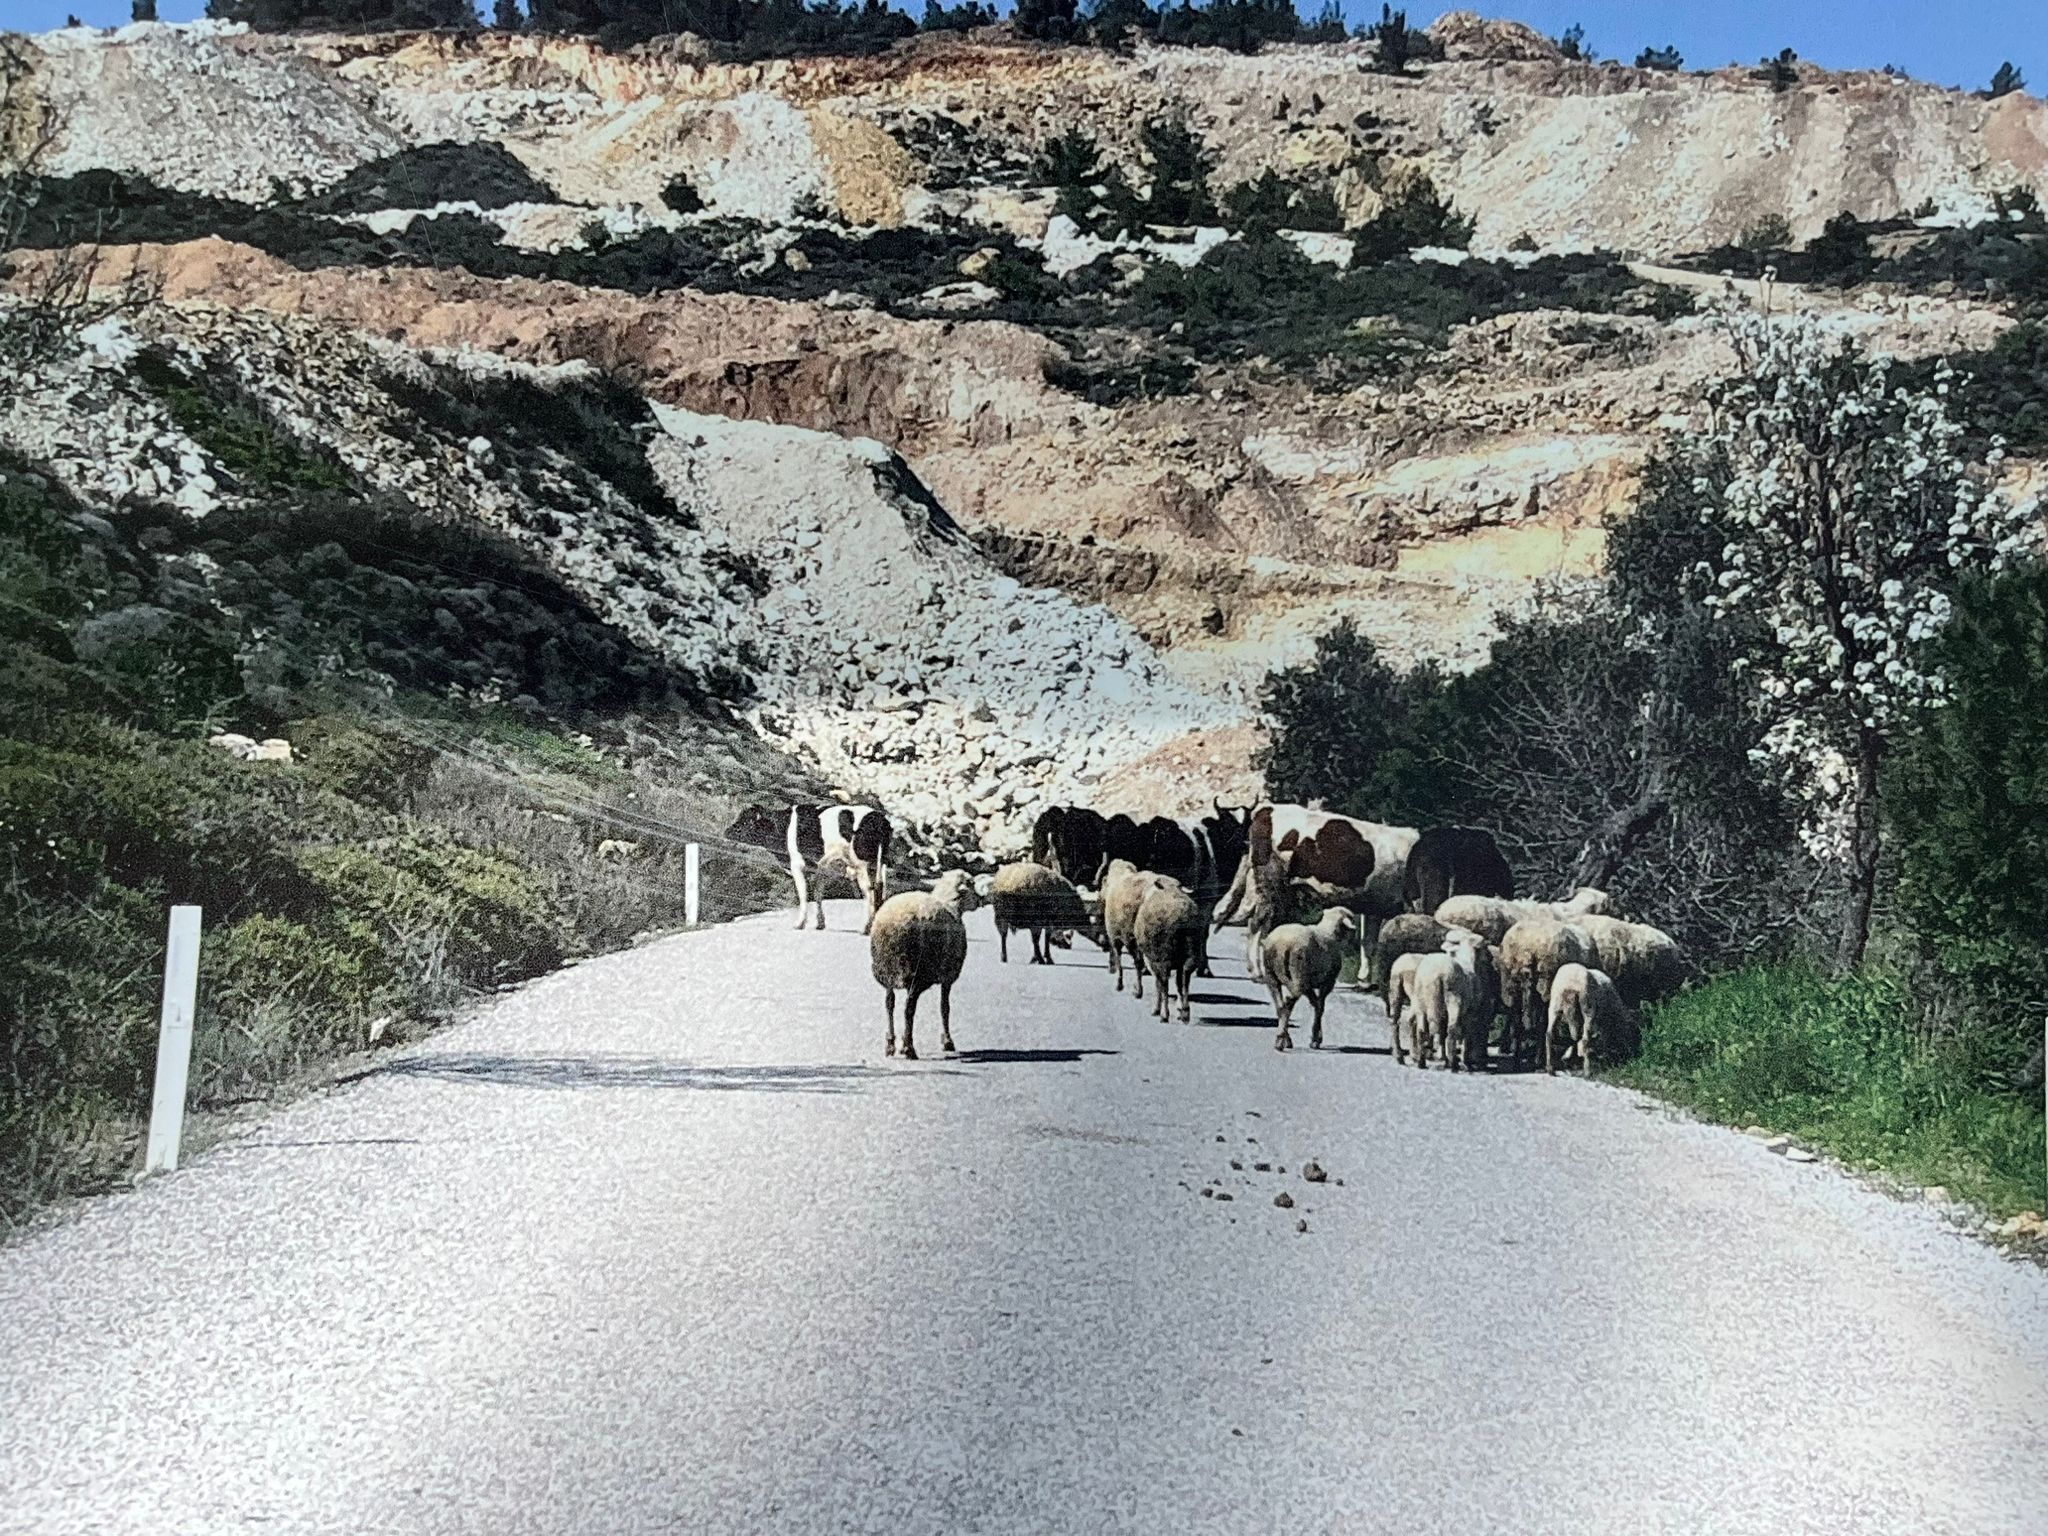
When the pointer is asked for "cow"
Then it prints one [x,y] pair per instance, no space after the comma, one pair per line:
[1069,840]
[1454,861]
[852,839]
[1122,838]
[1300,856]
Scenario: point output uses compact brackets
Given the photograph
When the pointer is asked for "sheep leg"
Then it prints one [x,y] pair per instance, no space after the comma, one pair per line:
[1454,1033]
[1116,963]
[1315,1034]
[1550,1049]
[803,893]
[1586,1049]
[1187,974]
[910,1023]
[1137,973]
[946,1017]
[1003,943]
[1284,1039]
[1162,990]
[889,1010]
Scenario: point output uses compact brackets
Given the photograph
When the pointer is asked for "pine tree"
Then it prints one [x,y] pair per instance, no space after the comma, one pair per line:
[2007,80]
[506,16]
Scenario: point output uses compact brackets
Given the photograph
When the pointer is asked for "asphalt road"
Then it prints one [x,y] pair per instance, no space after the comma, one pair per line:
[663,1243]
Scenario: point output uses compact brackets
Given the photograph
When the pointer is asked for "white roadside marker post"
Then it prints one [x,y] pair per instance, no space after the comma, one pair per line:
[174,1041]
[691,862]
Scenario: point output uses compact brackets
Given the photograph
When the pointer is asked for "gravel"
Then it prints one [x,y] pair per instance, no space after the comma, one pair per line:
[664,1242]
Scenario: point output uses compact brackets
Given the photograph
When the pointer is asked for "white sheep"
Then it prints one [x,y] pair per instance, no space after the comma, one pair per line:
[918,942]
[1646,964]
[1028,897]
[1586,1013]
[1405,933]
[1302,961]
[1400,989]
[1124,889]
[1449,998]
[1492,916]
[1171,939]
[1530,954]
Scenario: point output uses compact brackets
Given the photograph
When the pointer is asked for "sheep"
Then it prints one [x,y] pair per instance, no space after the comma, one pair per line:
[1530,954]
[1124,889]
[1405,933]
[918,942]
[1030,897]
[1448,996]
[1400,989]
[1491,917]
[1645,963]
[1586,1013]
[1171,937]
[1300,961]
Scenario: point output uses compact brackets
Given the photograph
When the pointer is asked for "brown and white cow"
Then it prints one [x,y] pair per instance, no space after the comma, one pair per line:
[1299,856]
[853,839]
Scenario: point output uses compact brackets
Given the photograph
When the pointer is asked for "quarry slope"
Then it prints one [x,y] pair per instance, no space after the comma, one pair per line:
[1569,154]
[876,640]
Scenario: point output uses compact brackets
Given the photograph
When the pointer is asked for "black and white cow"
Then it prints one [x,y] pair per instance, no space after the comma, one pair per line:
[853,839]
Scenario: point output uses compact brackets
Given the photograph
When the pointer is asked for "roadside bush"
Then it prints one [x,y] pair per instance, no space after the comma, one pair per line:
[1967,802]
[1834,1060]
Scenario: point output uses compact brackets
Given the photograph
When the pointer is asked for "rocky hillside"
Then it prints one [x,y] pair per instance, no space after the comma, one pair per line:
[989,499]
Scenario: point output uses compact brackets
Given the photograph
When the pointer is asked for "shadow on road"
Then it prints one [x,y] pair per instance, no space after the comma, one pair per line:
[1236,1021]
[623,1072]
[1002,1058]
[1226,997]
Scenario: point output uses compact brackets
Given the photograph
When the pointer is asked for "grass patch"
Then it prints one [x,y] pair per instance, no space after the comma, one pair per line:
[1834,1062]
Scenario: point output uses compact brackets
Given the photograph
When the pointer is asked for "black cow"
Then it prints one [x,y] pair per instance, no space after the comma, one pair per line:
[1069,840]
[1454,861]
[815,838]
[1123,838]
[1228,837]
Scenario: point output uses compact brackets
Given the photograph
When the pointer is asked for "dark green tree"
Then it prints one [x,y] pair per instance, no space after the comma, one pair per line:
[1052,21]
[1967,802]
[2007,80]
[1397,42]
[1665,58]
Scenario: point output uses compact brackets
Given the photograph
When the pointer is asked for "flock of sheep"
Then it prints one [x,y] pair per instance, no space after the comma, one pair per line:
[1565,973]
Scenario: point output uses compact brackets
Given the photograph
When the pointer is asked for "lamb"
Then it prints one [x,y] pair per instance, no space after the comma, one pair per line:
[1530,954]
[1400,989]
[1030,897]
[1300,961]
[1124,889]
[1586,1014]
[1405,933]
[1645,963]
[1491,917]
[1171,939]
[918,942]
[1449,995]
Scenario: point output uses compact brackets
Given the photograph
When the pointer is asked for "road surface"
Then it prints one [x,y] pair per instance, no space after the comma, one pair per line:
[663,1243]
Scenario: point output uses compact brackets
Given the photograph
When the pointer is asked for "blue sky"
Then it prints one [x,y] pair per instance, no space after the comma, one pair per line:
[1952,42]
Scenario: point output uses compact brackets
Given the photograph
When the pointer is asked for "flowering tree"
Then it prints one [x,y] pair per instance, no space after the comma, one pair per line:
[1845,509]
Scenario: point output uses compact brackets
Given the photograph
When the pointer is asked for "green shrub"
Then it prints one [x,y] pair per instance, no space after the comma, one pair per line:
[247,444]
[1834,1060]
[1966,799]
